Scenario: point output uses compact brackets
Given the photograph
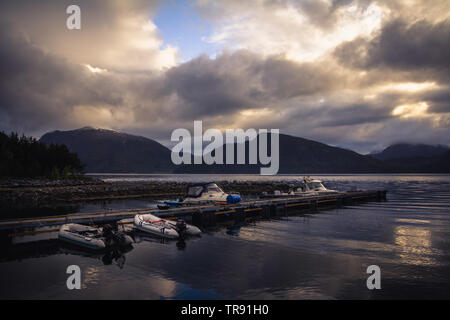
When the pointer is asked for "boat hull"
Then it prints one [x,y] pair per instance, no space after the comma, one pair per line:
[151,224]
[68,233]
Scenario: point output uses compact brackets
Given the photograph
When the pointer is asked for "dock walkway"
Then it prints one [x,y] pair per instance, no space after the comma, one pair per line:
[206,214]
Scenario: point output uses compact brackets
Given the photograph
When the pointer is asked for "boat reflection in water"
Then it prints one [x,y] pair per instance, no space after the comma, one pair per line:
[140,236]
[43,242]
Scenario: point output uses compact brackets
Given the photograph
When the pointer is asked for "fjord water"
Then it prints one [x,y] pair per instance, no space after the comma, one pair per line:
[322,255]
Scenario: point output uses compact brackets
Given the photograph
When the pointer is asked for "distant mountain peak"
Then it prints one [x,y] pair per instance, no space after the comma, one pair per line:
[87,128]
[105,150]
[90,128]
[410,150]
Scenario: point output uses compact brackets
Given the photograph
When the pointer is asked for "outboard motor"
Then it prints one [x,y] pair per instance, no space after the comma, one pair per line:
[181,226]
[108,233]
[120,239]
[115,237]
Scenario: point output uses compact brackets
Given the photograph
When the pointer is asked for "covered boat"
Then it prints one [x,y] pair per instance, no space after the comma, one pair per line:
[208,192]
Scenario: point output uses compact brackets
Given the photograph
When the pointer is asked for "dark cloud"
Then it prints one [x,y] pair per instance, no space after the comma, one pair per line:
[285,79]
[243,80]
[400,46]
[211,86]
[38,89]
[355,114]
[439,100]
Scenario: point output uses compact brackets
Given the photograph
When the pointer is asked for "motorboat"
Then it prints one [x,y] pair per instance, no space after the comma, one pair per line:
[199,193]
[278,194]
[308,187]
[93,237]
[313,187]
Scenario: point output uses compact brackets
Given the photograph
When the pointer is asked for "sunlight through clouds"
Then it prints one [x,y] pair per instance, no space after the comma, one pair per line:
[287,30]
[411,110]
[358,74]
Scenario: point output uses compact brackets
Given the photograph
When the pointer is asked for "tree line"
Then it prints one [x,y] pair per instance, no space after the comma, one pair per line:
[25,157]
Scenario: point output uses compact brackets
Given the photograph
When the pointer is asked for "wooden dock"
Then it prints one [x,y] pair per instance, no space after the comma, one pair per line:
[207,214]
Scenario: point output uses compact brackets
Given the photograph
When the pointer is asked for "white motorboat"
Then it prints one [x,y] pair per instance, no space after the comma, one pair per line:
[313,187]
[208,192]
[92,237]
[309,187]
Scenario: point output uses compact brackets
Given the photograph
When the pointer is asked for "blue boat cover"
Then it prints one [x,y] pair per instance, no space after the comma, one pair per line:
[233,198]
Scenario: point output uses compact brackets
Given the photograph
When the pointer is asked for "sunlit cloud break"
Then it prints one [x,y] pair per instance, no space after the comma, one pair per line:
[357,74]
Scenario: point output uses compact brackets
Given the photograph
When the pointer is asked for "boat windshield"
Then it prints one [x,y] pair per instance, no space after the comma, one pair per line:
[317,185]
[214,188]
[195,191]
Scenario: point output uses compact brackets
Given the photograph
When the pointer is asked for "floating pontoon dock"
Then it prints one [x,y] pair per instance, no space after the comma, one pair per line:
[207,214]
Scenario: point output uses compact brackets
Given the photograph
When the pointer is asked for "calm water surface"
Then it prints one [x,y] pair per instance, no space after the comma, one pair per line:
[321,255]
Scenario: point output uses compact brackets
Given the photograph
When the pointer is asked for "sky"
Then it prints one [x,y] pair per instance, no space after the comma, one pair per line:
[359,74]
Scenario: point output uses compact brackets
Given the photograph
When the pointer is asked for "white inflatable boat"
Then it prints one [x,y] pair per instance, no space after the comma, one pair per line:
[154,225]
[85,236]
[165,228]
[183,227]
[92,237]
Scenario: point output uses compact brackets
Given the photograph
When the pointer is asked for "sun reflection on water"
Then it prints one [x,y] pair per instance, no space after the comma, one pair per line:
[415,245]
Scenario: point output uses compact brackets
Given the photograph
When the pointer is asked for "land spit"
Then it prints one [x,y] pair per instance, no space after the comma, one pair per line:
[28,193]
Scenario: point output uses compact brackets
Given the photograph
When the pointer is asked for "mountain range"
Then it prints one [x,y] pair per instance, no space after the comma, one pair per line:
[408,151]
[108,151]
[102,150]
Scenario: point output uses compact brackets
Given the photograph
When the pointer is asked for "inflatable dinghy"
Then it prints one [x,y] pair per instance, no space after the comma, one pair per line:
[154,225]
[82,235]
[164,228]
[92,237]
[183,228]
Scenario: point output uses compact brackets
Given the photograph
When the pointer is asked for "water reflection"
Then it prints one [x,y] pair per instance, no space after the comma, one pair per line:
[234,230]
[319,256]
[40,245]
[415,245]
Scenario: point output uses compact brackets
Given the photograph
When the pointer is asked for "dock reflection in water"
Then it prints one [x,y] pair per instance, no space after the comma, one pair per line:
[320,255]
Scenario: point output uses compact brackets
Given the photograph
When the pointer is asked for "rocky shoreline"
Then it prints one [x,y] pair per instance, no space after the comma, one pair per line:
[32,193]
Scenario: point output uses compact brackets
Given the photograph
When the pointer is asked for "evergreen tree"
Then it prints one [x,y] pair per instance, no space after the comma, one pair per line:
[25,157]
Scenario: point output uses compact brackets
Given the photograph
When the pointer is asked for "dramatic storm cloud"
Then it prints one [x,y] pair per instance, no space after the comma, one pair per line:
[358,74]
